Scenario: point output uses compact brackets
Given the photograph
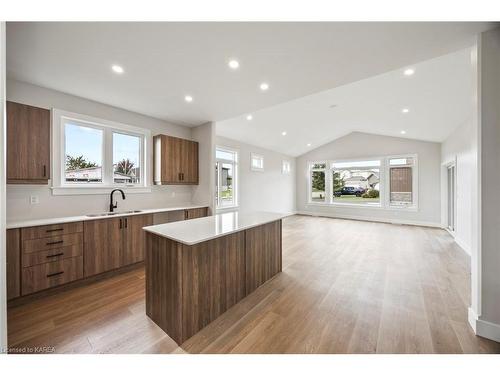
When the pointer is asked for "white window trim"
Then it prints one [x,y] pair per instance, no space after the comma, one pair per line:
[289,168]
[310,170]
[59,187]
[384,188]
[235,179]
[256,156]
[415,173]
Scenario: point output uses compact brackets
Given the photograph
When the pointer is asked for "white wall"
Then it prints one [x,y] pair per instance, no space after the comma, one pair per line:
[18,205]
[489,111]
[269,190]
[459,148]
[360,145]
[204,192]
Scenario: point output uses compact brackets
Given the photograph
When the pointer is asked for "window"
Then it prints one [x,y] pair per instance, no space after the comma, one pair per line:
[83,153]
[126,159]
[401,181]
[91,155]
[256,162]
[226,177]
[285,167]
[317,184]
[384,182]
[356,182]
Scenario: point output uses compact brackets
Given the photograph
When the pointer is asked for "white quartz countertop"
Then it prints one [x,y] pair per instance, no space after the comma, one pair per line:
[191,232]
[119,213]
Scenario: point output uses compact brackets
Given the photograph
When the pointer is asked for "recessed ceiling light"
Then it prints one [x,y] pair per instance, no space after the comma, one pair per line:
[233,64]
[249,117]
[409,72]
[264,86]
[403,131]
[283,133]
[405,110]
[308,145]
[188,98]
[117,69]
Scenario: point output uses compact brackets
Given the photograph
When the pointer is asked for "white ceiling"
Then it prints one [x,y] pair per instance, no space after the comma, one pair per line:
[163,62]
[439,96]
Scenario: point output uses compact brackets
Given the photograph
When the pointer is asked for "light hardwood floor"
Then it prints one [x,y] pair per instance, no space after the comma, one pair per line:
[346,287]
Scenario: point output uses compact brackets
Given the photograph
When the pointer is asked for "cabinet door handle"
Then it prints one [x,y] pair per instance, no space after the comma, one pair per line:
[55,274]
[54,230]
[121,224]
[126,222]
[44,170]
[54,242]
[54,255]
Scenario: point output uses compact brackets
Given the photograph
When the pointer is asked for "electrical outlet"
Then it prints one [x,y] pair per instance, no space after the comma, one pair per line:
[34,199]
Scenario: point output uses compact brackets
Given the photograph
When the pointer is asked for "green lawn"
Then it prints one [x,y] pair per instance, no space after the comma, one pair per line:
[355,199]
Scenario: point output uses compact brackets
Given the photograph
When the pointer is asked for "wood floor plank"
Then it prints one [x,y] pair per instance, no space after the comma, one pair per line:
[346,287]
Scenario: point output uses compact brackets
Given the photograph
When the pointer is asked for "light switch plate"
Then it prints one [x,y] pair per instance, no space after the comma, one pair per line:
[34,199]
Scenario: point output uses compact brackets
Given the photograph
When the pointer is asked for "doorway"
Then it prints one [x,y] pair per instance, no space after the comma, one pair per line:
[451,192]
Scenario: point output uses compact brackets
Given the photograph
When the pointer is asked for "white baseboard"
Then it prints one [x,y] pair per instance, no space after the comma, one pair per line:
[484,328]
[376,219]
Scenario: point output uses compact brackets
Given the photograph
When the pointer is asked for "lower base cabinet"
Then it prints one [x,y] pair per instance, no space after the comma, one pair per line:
[47,256]
[51,274]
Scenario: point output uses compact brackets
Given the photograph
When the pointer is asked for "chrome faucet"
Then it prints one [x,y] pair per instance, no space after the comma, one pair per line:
[111,205]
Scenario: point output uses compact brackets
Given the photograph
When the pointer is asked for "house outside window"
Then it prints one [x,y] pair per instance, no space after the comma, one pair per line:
[226,173]
[356,182]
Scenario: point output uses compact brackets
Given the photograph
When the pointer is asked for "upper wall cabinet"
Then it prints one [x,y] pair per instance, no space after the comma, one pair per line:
[175,161]
[28,144]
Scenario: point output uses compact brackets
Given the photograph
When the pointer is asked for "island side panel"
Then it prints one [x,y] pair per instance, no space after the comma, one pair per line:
[213,280]
[163,284]
[263,254]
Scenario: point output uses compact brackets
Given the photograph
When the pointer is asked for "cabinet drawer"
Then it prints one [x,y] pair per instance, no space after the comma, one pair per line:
[51,230]
[52,255]
[30,246]
[51,274]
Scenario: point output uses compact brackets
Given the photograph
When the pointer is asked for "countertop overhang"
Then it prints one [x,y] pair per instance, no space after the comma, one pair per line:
[191,232]
[71,219]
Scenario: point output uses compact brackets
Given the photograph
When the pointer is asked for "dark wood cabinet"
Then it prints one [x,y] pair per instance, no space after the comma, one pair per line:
[175,161]
[194,213]
[13,263]
[28,144]
[113,243]
[134,238]
[102,245]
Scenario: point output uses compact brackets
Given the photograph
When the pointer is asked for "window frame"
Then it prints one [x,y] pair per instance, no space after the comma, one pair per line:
[260,157]
[414,205]
[234,162]
[381,178]
[288,169]
[309,181]
[61,187]
[384,183]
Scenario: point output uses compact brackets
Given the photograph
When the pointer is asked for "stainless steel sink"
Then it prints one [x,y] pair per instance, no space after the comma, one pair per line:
[114,213]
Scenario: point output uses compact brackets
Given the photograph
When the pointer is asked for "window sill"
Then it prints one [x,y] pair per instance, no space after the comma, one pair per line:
[227,209]
[364,206]
[97,190]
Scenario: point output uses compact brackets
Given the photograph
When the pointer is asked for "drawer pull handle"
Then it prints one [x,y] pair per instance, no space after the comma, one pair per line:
[55,274]
[54,255]
[55,242]
[54,230]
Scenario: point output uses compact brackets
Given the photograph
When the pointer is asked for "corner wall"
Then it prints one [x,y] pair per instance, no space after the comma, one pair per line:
[204,192]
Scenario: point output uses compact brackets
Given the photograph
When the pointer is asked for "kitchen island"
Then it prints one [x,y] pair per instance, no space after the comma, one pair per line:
[198,269]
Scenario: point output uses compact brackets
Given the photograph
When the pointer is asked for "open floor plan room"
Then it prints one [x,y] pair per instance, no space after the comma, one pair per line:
[250,188]
[346,287]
